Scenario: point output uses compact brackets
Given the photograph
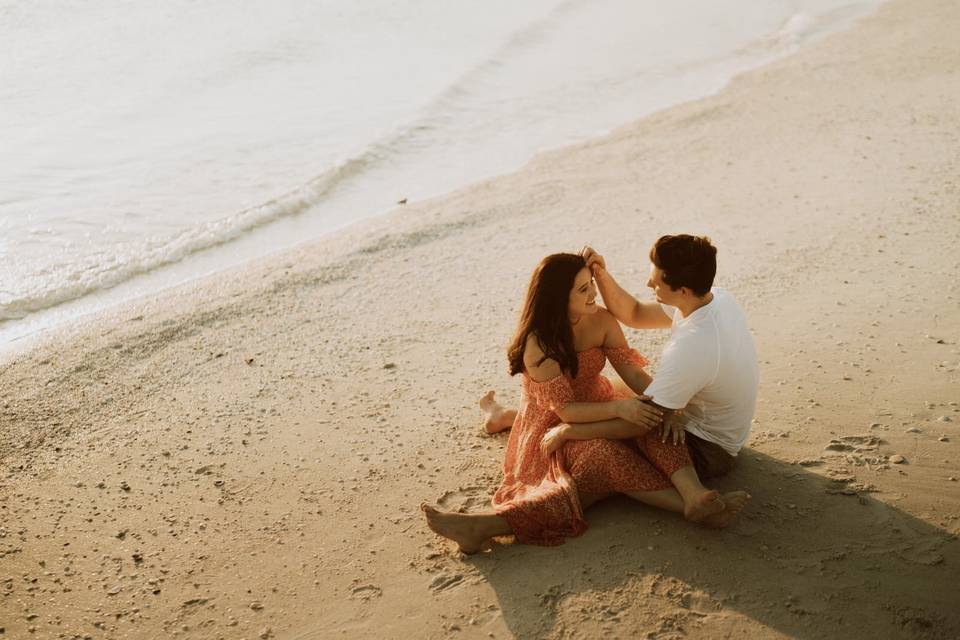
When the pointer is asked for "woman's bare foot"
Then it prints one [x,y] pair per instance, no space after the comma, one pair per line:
[463,528]
[495,417]
[703,505]
[733,502]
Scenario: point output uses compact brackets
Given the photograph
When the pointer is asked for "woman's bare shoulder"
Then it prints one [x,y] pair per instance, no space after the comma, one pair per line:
[599,324]
[532,351]
[612,331]
[605,318]
[539,367]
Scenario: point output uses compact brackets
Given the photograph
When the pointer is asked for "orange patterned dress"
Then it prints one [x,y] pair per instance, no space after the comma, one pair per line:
[539,497]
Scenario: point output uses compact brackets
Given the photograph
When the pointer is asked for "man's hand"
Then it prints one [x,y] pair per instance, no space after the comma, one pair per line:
[553,440]
[640,413]
[673,427]
[594,260]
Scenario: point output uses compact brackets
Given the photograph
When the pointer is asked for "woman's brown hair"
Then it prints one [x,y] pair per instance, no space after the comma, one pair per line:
[545,313]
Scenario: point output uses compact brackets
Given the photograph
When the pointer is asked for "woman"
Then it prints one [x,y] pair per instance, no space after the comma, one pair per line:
[560,347]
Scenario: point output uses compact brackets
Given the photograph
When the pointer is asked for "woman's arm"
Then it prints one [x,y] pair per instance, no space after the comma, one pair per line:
[545,370]
[632,374]
[549,369]
[608,429]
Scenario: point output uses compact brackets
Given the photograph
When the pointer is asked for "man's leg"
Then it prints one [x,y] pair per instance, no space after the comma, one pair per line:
[674,461]
[709,459]
[669,499]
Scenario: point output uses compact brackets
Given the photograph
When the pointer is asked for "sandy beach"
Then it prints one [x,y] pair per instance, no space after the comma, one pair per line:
[244,456]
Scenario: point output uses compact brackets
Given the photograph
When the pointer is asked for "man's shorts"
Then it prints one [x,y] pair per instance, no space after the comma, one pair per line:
[709,459]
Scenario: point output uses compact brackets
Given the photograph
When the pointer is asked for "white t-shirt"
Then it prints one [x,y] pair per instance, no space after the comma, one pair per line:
[710,366]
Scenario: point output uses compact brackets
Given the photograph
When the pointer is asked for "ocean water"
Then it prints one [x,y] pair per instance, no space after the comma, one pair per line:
[143,144]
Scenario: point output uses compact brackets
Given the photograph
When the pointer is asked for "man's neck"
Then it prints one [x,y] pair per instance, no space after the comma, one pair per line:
[688,307]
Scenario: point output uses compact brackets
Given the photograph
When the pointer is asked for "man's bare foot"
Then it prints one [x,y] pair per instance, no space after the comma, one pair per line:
[733,502]
[462,528]
[495,417]
[707,503]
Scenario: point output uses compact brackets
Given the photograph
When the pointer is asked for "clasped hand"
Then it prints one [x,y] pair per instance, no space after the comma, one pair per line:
[640,413]
[554,439]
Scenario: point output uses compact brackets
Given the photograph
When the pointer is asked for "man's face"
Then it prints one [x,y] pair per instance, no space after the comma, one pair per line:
[661,289]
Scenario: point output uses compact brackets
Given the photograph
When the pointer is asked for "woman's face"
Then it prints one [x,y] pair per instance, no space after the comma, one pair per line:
[583,296]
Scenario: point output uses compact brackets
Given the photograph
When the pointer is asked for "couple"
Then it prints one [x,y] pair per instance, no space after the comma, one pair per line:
[576,440]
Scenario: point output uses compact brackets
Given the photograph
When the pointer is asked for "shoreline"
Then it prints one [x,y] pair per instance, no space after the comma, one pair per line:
[216,460]
[223,256]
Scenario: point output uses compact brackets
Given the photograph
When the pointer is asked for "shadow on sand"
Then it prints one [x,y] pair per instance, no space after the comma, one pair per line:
[805,560]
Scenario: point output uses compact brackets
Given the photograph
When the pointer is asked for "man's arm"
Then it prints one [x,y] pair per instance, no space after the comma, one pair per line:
[626,308]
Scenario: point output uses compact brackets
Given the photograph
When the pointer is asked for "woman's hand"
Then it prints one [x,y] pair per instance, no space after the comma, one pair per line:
[554,439]
[640,413]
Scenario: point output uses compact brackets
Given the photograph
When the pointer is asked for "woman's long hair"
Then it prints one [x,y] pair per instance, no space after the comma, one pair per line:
[545,313]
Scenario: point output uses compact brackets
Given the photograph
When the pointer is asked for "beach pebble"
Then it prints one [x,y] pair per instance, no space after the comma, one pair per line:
[897,459]
[114,591]
[256,605]
[913,430]
[952,479]
[943,439]
[389,365]
[944,419]
[265,633]
[125,486]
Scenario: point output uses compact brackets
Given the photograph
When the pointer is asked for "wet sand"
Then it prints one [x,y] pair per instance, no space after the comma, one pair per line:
[244,457]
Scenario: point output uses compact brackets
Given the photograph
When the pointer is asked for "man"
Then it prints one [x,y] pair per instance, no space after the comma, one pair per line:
[709,366]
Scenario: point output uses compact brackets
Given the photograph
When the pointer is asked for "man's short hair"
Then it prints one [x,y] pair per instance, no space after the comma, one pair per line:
[686,261]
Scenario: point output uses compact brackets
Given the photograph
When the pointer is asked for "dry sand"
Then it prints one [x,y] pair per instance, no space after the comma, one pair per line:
[243,457]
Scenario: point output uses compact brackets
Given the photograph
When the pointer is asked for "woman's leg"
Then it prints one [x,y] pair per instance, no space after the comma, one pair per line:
[495,417]
[471,531]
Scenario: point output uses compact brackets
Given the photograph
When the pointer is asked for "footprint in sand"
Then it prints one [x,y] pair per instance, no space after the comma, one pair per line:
[858,443]
[366,592]
[463,500]
[446,581]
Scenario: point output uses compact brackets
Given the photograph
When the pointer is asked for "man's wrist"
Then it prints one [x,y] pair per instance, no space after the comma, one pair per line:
[602,275]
